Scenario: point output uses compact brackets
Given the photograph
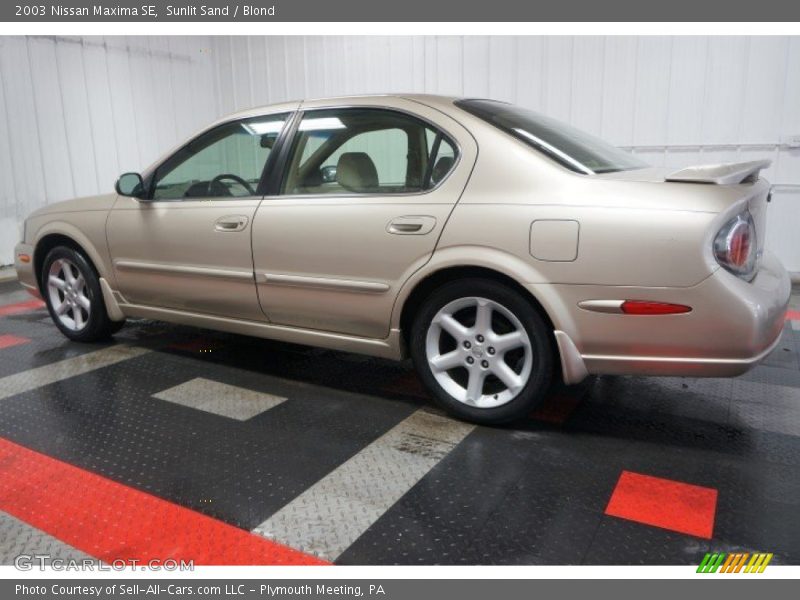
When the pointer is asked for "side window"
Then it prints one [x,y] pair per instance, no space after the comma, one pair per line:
[225,162]
[387,148]
[365,151]
[443,157]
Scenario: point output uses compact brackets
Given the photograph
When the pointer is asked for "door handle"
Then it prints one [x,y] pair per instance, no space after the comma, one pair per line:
[231,223]
[411,225]
[405,227]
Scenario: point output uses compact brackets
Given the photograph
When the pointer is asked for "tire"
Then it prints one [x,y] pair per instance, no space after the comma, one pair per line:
[76,302]
[448,354]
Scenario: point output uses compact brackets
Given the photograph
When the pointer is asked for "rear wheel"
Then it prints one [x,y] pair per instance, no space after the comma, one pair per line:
[74,298]
[483,351]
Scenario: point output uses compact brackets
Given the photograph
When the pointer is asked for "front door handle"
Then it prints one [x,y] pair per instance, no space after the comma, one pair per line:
[411,225]
[231,223]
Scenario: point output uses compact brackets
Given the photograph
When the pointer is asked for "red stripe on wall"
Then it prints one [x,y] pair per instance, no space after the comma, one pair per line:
[19,307]
[111,521]
[793,315]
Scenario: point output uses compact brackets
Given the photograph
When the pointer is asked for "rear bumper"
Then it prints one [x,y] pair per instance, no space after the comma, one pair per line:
[25,269]
[659,365]
[733,325]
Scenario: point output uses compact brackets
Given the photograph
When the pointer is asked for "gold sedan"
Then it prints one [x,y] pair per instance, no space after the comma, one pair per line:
[495,246]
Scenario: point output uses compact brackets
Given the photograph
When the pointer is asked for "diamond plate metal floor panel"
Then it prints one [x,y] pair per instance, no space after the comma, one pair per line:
[11,292]
[107,421]
[44,348]
[18,538]
[277,452]
[25,381]
[624,542]
[328,517]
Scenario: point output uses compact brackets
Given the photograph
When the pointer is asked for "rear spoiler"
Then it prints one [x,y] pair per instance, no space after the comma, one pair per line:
[724,174]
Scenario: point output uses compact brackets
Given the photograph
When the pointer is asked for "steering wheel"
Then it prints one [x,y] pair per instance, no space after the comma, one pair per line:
[214,183]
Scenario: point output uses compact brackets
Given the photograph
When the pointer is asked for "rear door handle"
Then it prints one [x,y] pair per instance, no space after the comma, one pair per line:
[231,223]
[411,225]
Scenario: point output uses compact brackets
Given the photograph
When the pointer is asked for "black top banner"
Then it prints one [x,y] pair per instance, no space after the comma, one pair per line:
[399,11]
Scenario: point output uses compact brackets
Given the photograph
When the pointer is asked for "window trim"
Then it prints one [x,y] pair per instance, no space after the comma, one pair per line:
[428,175]
[150,180]
[288,148]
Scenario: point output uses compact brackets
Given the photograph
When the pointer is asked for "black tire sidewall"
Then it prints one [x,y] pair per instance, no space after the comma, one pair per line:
[99,324]
[540,334]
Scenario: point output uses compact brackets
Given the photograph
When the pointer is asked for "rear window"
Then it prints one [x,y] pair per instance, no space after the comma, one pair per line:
[572,148]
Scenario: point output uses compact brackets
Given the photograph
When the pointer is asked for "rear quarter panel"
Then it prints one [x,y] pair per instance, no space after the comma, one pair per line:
[636,239]
[631,233]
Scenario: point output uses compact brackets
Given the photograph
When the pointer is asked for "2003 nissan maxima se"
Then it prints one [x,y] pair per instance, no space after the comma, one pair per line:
[495,246]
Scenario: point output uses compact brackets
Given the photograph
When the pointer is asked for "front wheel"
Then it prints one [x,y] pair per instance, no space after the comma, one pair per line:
[74,298]
[483,351]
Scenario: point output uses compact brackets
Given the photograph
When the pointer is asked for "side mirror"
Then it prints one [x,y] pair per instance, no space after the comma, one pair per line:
[328,174]
[130,184]
[268,140]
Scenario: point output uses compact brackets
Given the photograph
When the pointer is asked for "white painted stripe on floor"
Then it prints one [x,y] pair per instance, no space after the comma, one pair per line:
[220,398]
[328,517]
[64,369]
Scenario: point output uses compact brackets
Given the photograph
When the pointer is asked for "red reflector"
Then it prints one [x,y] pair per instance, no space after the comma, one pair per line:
[642,307]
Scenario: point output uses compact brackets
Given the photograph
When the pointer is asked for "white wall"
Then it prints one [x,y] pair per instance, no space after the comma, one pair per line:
[674,100]
[68,104]
[76,112]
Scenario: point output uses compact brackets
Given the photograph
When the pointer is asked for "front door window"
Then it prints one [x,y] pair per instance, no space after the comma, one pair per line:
[226,162]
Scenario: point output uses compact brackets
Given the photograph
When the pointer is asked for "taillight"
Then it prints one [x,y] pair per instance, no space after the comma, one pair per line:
[735,246]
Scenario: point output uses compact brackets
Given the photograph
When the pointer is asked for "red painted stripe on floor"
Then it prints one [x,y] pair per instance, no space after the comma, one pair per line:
[111,521]
[197,345]
[407,384]
[556,408]
[793,315]
[19,307]
[664,503]
[9,341]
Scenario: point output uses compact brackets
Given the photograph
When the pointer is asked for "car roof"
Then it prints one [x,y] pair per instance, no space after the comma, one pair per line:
[432,100]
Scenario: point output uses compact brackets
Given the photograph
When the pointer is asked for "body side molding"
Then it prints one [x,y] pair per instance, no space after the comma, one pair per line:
[344,285]
[133,265]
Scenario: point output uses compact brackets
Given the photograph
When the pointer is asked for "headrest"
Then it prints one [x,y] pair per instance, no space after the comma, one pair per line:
[441,168]
[356,172]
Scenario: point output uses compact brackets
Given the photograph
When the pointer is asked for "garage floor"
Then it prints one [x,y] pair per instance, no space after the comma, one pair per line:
[175,442]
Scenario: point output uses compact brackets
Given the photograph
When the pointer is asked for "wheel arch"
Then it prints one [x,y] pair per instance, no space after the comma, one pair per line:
[424,286]
[69,236]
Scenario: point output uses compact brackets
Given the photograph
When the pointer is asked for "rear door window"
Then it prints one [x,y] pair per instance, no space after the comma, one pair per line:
[366,151]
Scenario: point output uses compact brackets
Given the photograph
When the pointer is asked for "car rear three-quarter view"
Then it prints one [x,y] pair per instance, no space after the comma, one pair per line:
[496,247]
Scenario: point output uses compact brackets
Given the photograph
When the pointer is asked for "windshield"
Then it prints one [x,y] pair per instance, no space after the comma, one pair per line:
[574,149]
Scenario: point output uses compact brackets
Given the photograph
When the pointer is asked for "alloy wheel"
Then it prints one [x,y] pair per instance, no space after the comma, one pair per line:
[68,293]
[479,352]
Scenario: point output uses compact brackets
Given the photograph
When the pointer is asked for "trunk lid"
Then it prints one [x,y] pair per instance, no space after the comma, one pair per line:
[757,193]
[740,179]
